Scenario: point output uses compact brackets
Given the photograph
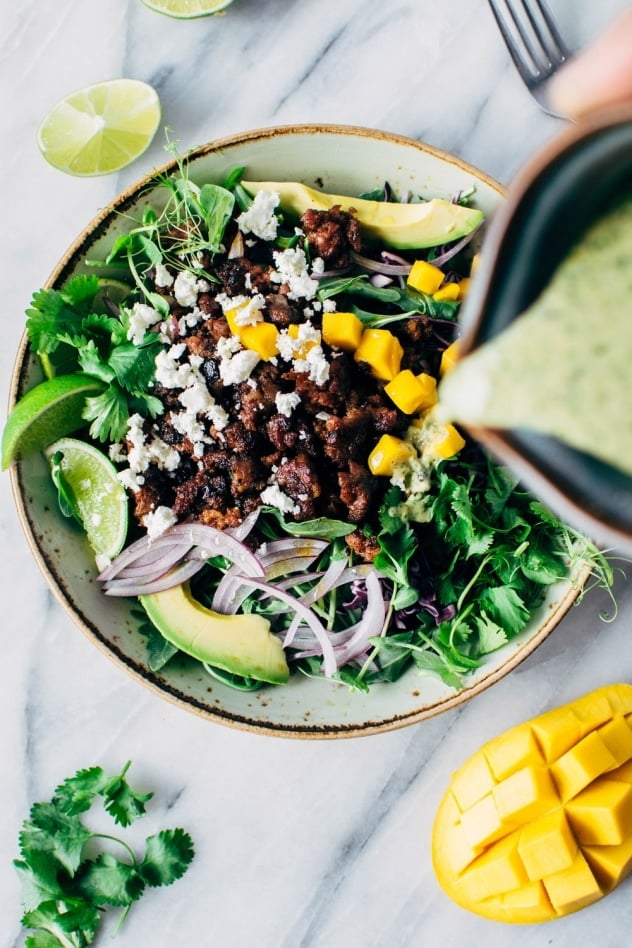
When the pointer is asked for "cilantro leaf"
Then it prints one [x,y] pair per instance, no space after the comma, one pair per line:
[76,794]
[167,857]
[59,835]
[490,635]
[108,413]
[135,366]
[123,803]
[110,881]
[39,878]
[69,924]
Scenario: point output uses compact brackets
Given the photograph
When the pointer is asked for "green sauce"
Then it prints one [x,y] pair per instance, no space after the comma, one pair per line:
[563,367]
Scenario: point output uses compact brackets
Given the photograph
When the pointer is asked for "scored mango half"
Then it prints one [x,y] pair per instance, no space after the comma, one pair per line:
[538,822]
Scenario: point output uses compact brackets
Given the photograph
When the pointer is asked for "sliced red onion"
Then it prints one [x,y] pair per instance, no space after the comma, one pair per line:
[369,626]
[380,280]
[454,249]
[145,552]
[122,587]
[381,266]
[244,529]
[272,592]
[218,543]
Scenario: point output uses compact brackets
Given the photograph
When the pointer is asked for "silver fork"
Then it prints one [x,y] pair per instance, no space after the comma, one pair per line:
[534,43]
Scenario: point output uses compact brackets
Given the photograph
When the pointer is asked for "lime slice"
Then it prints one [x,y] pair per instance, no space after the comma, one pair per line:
[101,128]
[49,411]
[187,9]
[99,498]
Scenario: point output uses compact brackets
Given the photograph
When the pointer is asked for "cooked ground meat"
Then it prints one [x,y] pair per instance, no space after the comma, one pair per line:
[332,235]
[282,427]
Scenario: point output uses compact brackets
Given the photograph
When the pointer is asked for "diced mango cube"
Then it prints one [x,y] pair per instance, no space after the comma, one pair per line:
[499,869]
[582,764]
[464,287]
[573,888]
[610,864]
[449,291]
[412,392]
[529,903]
[526,794]
[308,336]
[620,698]
[382,351]
[262,338]
[456,853]
[557,731]
[342,330]
[623,773]
[425,277]
[444,442]
[472,781]
[511,751]
[387,454]
[593,710]
[449,357]
[482,823]
[547,845]
[617,736]
[601,815]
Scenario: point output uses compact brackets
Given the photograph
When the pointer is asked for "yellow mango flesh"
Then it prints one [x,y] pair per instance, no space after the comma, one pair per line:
[538,822]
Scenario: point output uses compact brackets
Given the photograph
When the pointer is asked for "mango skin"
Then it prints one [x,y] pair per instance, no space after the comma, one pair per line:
[537,823]
[403,226]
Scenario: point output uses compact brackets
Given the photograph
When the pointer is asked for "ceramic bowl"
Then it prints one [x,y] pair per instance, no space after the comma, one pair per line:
[338,159]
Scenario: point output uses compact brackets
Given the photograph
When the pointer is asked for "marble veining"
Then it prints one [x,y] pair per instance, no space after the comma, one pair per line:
[299,844]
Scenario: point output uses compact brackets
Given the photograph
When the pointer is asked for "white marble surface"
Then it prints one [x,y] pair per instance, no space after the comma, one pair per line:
[299,844]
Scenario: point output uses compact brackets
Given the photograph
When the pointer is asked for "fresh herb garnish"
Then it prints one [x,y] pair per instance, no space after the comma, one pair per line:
[66,887]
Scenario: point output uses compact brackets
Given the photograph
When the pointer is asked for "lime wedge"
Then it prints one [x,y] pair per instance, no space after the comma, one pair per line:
[187,9]
[101,128]
[49,411]
[99,498]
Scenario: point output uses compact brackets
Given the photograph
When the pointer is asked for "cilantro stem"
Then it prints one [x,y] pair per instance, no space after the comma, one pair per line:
[116,839]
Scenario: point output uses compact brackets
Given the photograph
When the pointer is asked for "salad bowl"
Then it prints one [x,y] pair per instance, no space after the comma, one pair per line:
[340,160]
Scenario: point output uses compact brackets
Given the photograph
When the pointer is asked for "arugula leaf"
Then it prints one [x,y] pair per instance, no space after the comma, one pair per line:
[64,893]
[321,527]
[65,497]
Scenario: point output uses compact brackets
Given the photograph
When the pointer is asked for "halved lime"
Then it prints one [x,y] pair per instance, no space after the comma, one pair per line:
[52,409]
[98,496]
[187,9]
[100,128]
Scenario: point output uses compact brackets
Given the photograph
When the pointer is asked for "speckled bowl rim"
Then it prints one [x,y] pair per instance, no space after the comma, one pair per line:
[300,729]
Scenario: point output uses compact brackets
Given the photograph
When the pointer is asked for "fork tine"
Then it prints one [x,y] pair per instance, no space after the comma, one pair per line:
[537,50]
[551,41]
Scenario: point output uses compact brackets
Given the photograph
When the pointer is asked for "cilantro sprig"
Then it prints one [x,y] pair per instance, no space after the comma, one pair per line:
[70,318]
[67,884]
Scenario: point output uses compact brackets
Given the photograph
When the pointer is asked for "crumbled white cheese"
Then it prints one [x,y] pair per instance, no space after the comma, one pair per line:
[159,520]
[171,373]
[238,367]
[286,402]
[141,317]
[315,364]
[186,288]
[274,497]
[259,219]
[291,268]
[162,276]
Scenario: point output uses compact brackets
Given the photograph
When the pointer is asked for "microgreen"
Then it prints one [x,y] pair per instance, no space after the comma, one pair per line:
[66,883]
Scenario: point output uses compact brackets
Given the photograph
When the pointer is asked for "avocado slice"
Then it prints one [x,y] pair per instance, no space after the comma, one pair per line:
[240,644]
[402,226]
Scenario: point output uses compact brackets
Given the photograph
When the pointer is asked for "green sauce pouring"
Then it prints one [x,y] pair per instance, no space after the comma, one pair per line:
[563,367]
